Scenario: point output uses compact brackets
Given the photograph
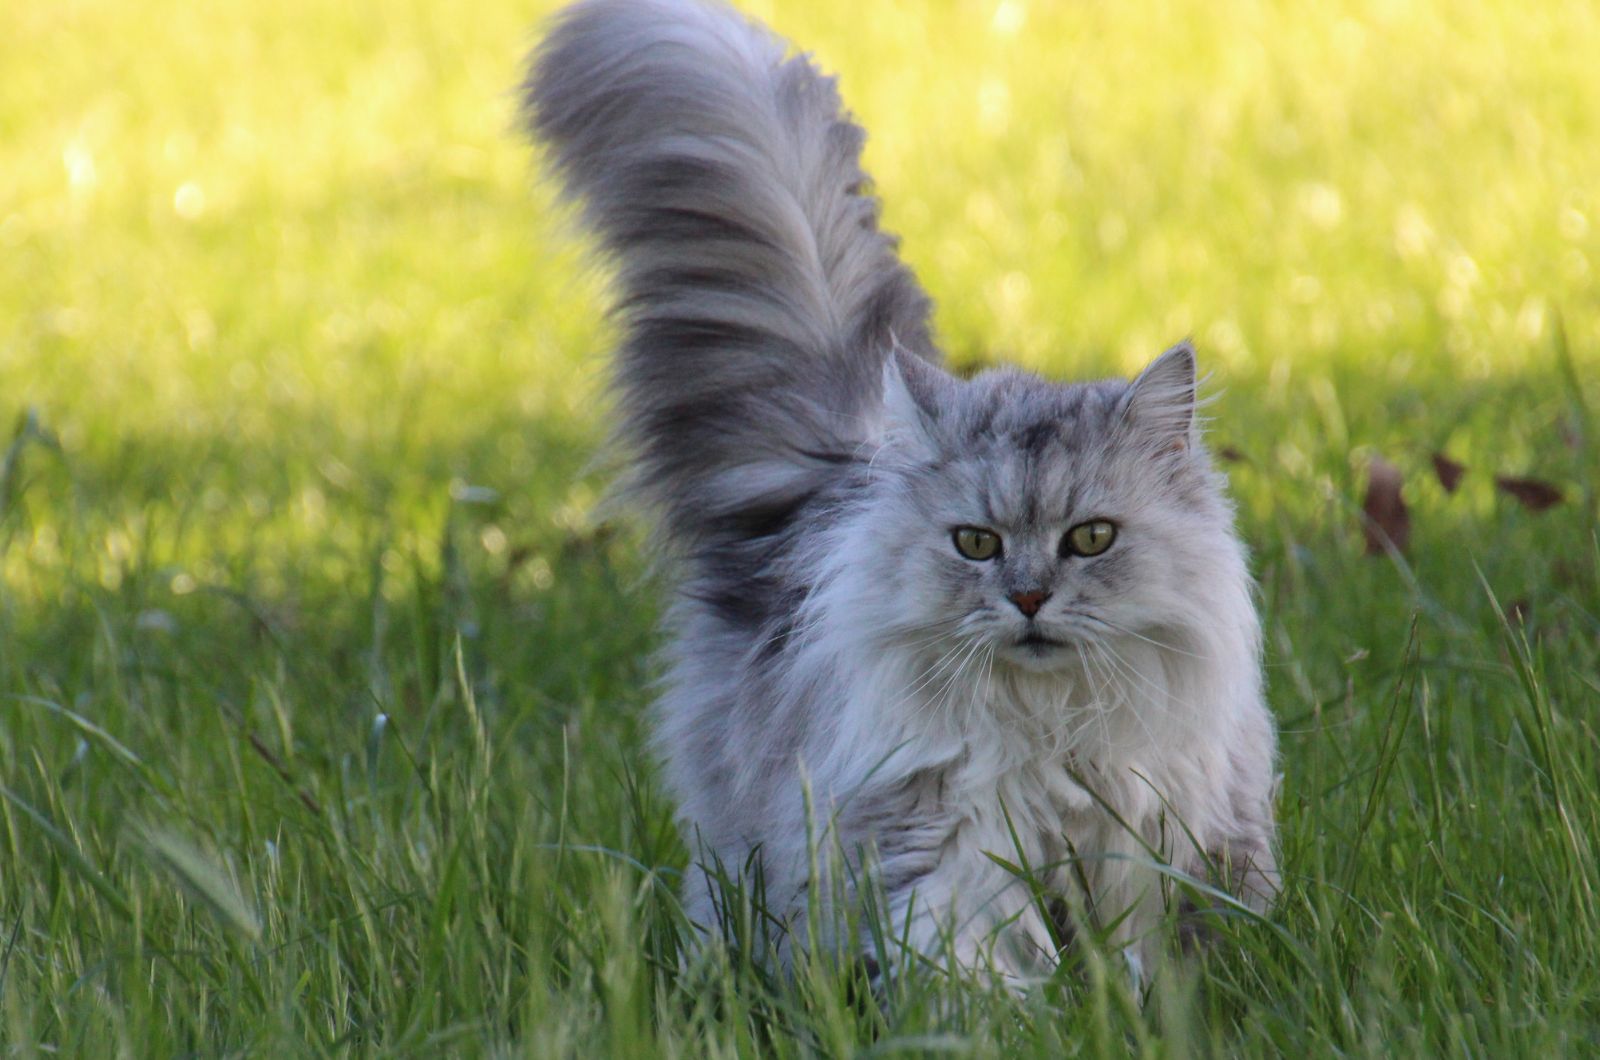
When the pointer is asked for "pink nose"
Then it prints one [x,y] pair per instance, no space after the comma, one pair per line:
[1029,603]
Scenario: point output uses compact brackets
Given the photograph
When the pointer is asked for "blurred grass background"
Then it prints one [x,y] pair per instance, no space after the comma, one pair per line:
[305,379]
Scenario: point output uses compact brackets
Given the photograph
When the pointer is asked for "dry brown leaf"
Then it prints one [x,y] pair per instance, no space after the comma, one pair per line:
[1232,456]
[1388,522]
[1449,472]
[1533,494]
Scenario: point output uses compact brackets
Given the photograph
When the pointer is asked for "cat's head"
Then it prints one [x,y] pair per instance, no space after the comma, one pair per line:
[1032,516]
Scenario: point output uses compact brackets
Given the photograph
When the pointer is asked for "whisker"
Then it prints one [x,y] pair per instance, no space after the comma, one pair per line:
[1125,631]
[1105,705]
[1131,702]
[1129,670]
[988,675]
[948,629]
[931,674]
[949,685]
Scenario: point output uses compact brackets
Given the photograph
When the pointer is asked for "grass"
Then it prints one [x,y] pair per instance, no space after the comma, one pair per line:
[321,681]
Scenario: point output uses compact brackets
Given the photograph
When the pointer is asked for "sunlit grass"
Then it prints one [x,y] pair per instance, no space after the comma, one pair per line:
[300,396]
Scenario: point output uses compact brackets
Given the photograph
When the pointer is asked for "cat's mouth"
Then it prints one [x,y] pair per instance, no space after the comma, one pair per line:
[1039,640]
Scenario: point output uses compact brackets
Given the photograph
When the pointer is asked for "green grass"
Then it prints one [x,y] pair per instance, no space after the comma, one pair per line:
[305,383]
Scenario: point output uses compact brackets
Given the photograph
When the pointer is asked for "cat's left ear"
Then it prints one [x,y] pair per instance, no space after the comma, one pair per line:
[1161,402]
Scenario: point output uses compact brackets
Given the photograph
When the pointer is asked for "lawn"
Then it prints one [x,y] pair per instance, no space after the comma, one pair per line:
[323,670]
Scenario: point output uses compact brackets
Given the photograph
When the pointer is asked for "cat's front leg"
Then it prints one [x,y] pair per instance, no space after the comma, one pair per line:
[970,912]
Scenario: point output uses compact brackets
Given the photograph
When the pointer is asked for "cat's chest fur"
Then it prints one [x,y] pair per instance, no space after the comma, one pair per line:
[1037,767]
[1050,775]
[1048,759]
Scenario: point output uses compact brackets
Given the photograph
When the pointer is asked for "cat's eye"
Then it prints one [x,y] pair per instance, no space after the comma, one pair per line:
[1089,539]
[974,542]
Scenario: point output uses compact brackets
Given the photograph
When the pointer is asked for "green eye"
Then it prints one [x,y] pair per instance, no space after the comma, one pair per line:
[1089,539]
[976,543]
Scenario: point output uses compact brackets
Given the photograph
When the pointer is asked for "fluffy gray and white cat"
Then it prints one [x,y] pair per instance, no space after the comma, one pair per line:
[921,620]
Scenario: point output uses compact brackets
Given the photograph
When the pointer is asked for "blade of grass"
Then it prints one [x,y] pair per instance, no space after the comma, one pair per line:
[71,856]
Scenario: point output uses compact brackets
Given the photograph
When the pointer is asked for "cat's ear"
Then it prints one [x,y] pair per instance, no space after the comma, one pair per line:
[1160,404]
[914,394]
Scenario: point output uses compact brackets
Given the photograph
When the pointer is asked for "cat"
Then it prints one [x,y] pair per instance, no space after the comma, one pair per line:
[923,625]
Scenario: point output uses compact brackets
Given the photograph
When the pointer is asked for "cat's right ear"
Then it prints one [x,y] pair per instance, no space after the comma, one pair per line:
[914,392]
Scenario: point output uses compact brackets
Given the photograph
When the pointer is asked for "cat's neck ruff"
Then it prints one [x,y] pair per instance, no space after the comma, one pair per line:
[1111,709]
[1100,705]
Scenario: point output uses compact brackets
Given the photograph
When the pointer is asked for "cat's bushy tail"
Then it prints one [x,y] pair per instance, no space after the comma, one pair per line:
[756,293]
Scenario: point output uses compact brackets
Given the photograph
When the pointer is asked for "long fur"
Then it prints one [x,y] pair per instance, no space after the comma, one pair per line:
[756,291]
[837,676]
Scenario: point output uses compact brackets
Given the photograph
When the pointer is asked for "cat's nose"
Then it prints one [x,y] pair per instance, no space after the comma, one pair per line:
[1029,603]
